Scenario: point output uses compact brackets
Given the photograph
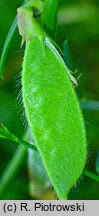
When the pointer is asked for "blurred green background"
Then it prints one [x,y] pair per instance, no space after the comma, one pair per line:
[78,22]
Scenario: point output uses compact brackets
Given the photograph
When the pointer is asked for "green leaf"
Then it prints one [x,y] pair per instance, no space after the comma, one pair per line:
[7,43]
[6,134]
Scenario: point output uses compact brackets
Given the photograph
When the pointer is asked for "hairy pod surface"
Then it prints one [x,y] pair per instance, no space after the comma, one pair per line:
[54,116]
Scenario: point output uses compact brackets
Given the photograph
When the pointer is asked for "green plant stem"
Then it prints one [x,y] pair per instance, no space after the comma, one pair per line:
[49,17]
[12,168]
[91,175]
[14,165]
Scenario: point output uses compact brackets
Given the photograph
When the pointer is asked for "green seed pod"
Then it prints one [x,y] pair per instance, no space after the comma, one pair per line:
[53,114]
